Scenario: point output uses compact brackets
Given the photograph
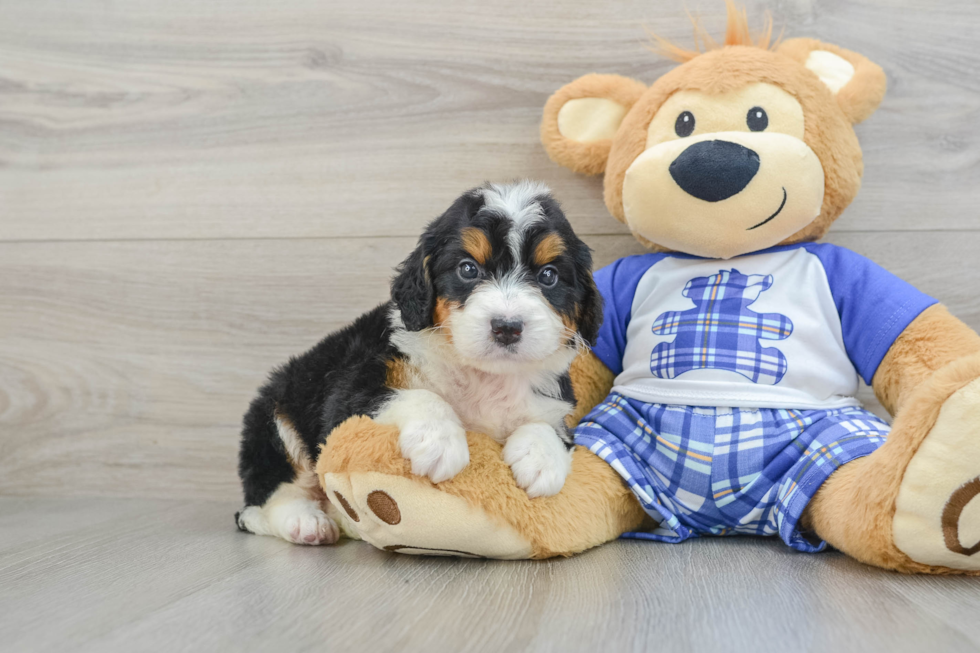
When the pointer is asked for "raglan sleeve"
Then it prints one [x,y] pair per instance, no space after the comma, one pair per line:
[874,305]
[617,284]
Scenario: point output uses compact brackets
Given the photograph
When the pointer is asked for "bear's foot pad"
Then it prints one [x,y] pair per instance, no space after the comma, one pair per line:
[937,511]
[405,516]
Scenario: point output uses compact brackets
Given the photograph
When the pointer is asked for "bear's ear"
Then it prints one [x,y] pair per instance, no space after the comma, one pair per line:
[581,118]
[857,82]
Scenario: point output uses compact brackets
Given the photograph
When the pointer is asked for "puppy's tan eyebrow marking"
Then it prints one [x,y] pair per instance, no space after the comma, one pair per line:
[477,245]
[550,248]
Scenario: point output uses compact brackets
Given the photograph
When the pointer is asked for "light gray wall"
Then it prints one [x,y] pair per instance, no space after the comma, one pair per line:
[192,191]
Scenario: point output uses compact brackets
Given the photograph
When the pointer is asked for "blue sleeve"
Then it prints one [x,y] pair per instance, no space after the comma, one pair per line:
[617,284]
[874,305]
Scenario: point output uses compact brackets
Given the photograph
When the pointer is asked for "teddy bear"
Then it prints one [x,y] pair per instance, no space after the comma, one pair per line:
[719,398]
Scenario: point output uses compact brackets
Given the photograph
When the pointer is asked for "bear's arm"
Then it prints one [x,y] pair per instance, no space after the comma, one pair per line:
[592,381]
[931,341]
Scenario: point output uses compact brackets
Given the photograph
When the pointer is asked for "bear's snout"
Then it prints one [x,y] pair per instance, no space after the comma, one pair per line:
[714,170]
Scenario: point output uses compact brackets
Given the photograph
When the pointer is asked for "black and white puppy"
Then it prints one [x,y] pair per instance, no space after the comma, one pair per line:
[484,320]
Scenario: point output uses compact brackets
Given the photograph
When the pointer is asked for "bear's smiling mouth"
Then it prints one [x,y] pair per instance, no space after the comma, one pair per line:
[773,215]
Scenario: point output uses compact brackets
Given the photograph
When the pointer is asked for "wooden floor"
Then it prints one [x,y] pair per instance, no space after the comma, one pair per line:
[192,191]
[138,575]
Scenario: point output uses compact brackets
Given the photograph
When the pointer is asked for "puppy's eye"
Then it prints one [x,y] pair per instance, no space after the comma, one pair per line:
[467,270]
[757,120]
[548,276]
[685,124]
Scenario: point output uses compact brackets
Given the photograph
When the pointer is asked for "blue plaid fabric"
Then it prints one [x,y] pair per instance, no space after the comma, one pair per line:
[720,471]
[721,332]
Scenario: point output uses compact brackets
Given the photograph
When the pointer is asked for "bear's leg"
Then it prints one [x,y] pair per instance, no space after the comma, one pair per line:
[914,504]
[480,512]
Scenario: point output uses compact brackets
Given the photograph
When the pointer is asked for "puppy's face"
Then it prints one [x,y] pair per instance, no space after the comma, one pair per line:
[503,278]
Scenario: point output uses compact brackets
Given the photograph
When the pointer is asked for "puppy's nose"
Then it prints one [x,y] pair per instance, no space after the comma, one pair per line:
[714,170]
[506,332]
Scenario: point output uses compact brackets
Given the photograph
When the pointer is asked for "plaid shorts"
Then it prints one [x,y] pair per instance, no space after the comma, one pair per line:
[721,471]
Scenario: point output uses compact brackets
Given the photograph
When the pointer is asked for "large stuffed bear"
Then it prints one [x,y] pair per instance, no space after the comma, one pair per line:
[720,397]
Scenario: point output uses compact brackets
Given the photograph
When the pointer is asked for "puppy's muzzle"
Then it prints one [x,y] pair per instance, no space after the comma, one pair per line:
[506,331]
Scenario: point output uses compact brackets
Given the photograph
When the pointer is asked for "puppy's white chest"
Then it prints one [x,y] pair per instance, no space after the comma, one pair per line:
[491,403]
[487,402]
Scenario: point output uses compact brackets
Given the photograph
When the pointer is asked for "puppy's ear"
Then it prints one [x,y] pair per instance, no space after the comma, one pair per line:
[412,289]
[590,307]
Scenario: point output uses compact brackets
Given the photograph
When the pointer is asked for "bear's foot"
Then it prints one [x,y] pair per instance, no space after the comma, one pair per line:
[399,514]
[914,504]
[480,512]
[937,511]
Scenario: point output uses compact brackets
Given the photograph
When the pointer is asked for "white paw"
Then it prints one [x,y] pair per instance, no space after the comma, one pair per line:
[303,522]
[436,448]
[538,458]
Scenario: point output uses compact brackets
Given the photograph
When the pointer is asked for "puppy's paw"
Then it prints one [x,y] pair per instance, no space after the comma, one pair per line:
[538,458]
[302,522]
[436,448]
[313,529]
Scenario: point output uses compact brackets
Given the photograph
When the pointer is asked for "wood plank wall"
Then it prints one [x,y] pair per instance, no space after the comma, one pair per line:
[192,191]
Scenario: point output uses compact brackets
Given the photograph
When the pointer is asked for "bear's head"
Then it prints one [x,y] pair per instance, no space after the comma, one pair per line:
[742,147]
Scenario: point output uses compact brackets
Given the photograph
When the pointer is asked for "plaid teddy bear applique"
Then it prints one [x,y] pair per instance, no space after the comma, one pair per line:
[721,332]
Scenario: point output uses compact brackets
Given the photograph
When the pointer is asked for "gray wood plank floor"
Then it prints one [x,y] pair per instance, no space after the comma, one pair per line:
[144,575]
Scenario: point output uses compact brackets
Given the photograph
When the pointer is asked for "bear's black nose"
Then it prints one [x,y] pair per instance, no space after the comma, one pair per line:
[714,170]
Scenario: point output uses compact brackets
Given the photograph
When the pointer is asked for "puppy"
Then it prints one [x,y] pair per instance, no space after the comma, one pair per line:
[484,320]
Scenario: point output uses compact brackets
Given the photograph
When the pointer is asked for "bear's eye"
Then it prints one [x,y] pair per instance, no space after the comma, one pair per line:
[685,124]
[467,270]
[757,120]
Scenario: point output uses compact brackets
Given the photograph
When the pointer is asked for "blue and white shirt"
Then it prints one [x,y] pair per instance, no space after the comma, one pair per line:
[787,327]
